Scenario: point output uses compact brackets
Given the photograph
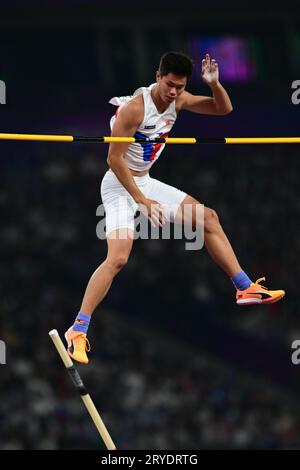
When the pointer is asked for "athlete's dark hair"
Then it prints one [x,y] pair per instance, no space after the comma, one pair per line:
[177,63]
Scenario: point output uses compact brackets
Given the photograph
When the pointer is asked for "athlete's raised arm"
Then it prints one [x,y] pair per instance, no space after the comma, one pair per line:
[219,103]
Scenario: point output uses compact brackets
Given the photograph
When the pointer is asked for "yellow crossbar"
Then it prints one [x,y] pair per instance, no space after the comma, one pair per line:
[168,140]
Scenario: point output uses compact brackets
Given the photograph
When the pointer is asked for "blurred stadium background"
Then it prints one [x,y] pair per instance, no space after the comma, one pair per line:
[175,364]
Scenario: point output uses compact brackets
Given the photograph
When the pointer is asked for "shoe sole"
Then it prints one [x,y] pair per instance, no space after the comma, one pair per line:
[272,300]
[249,301]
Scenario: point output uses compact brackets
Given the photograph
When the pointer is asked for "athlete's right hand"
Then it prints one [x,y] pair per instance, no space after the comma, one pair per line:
[153,210]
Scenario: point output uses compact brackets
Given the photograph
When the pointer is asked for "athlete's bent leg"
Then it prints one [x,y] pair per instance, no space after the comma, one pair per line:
[221,251]
[216,242]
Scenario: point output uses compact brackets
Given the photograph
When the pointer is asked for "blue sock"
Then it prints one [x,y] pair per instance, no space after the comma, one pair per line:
[82,322]
[241,281]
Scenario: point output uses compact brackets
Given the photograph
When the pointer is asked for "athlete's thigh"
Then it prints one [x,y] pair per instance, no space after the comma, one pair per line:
[191,211]
[168,196]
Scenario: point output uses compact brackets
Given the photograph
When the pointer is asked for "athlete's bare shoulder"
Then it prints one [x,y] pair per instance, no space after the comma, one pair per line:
[133,110]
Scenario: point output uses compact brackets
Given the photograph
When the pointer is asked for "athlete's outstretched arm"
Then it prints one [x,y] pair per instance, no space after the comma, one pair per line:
[219,103]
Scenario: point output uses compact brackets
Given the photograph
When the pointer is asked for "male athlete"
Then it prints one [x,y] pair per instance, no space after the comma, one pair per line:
[151,112]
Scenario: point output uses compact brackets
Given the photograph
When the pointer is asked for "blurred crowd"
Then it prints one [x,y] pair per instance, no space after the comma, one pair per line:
[155,388]
[152,393]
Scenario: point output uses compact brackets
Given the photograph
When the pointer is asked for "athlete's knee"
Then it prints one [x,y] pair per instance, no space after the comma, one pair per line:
[211,219]
[118,262]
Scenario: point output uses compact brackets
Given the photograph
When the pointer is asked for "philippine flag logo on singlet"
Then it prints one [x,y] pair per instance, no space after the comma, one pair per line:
[149,149]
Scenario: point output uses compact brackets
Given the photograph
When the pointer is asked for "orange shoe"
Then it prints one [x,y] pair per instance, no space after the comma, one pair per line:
[257,294]
[78,345]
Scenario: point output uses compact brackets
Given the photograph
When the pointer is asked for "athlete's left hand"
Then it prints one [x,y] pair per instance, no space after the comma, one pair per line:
[210,70]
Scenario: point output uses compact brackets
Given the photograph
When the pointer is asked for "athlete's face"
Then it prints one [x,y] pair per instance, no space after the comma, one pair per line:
[170,86]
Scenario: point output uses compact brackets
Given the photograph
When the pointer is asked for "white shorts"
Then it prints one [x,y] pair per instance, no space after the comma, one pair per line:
[120,207]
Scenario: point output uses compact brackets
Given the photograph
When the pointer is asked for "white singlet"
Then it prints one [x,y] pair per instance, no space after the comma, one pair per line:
[140,157]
